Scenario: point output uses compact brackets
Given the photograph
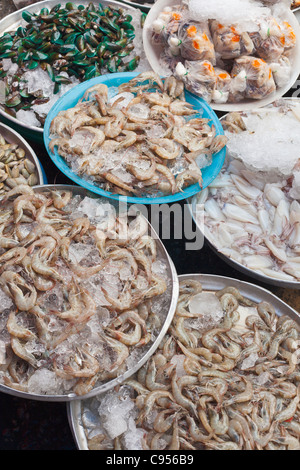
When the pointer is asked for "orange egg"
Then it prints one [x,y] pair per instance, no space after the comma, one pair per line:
[192,31]
[176,16]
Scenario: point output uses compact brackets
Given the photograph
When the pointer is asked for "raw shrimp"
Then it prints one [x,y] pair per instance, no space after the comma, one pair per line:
[188,402]
[111,144]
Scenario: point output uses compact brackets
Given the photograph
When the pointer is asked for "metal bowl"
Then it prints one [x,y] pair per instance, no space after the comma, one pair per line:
[12,137]
[230,261]
[153,53]
[11,23]
[153,345]
[209,282]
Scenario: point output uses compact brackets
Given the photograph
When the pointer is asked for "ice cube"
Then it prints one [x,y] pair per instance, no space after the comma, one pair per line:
[114,412]
[127,97]
[206,304]
[178,360]
[39,81]
[28,117]
[2,352]
[44,382]
[133,436]
[249,362]
[5,301]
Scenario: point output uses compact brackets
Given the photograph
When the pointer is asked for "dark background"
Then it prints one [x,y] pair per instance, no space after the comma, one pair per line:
[32,425]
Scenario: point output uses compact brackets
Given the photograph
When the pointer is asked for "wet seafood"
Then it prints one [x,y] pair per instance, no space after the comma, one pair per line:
[56,49]
[295,4]
[251,211]
[145,141]
[189,394]
[15,167]
[70,312]
[219,55]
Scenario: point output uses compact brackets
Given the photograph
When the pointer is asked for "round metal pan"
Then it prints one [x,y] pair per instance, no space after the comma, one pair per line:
[13,137]
[153,345]
[230,261]
[11,23]
[143,5]
[209,282]
[153,53]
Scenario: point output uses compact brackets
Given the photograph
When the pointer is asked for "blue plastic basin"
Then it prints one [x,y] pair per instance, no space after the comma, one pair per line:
[70,99]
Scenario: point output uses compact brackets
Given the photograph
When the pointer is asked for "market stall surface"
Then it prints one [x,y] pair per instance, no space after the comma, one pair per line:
[33,425]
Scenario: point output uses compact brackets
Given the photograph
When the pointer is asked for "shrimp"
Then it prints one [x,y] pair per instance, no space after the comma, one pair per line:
[61,198]
[152,77]
[85,365]
[177,386]
[181,108]
[150,401]
[174,87]
[18,330]
[129,339]
[20,351]
[167,149]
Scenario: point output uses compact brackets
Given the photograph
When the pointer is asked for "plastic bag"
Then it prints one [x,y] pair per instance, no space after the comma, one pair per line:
[196,42]
[252,78]
[199,77]
[289,37]
[166,25]
[273,39]
[228,42]
[269,40]
[222,86]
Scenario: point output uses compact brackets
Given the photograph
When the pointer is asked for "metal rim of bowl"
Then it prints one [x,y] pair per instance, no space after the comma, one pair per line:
[77,190]
[145,6]
[13,136]
[13,18]
[247,105]
[210,282]
[230,261]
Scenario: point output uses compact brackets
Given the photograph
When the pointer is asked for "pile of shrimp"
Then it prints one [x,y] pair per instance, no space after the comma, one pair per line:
[233,385]
[77,320]
[148,146]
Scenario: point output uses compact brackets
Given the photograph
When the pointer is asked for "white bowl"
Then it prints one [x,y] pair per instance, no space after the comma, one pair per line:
[153,53]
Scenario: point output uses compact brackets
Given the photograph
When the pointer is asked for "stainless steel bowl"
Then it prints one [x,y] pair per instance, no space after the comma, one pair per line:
[13,137]
[230,261]
[153,345]
[209,282]
[11,23]
[143,4]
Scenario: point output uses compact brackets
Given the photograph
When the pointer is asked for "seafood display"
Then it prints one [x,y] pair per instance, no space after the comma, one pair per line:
[145,140]
[58,48]
[221,55]
[15,167]
[225,377]
[84,291]
[251,212]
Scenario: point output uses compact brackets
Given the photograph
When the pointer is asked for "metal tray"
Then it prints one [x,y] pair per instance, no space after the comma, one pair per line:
[12,22]
[233,263]
[13,137]
[210,282]
[153,345]
[145,6]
